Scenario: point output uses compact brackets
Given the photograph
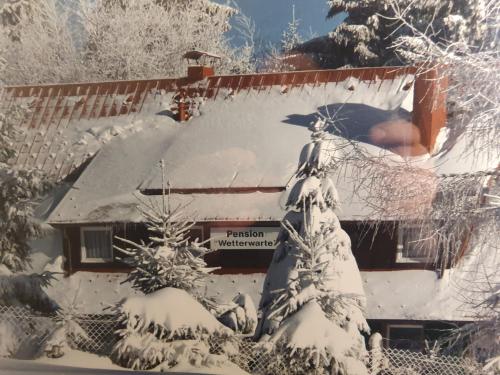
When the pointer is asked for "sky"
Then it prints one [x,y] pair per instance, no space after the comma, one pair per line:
[271,17]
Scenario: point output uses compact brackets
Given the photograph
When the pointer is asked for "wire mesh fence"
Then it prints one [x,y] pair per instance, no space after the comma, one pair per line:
[21,332]
[101,331]
[31,330]
[252,357]
[404,362]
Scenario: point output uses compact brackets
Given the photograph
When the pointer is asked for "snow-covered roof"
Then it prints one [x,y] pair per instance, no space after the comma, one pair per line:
[247,139]
[60,113]
[472,152]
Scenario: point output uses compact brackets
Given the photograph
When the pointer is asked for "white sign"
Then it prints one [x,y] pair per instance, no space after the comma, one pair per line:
[248,238]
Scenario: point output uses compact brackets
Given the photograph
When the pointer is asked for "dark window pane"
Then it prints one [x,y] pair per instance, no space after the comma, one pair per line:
[407,338]
[97,244]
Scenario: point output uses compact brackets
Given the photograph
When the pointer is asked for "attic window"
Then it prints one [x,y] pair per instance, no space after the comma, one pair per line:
[96,245]
[412,247]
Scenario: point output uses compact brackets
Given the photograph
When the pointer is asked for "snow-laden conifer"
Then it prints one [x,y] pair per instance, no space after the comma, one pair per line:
[291,37]
[313,300]
[169,257]
[171,324]
[20,188]
[366,34]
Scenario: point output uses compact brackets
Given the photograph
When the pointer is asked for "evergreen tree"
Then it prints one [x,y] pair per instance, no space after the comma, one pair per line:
[169,258]
[366,36]
[291,37]
[312,303]
[19,190]
[170,324]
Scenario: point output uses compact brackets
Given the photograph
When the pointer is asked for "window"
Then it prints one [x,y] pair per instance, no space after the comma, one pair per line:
[196,232]
[97,245]
[412,246]
[406,336]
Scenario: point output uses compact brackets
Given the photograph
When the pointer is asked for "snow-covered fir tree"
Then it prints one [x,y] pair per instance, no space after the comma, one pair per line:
[170,324]
[19,189]
[170,259]
[313,300]
[365,36]
[291,37]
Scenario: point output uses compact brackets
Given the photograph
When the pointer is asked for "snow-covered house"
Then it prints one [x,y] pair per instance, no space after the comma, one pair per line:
[230,166]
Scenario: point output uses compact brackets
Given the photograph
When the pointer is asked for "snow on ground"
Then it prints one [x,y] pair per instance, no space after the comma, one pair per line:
[76,362]
[79,363]
[227,369]
[76,358]
[60,367]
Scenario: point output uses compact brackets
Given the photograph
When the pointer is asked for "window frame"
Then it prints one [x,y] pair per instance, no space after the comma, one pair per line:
[400,247]
[83,250]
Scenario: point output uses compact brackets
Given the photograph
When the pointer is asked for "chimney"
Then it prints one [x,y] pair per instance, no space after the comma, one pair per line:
[429,104]
[197,71]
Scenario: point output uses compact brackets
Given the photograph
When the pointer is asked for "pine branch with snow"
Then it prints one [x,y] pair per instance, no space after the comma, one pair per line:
[27,290]
[169,258]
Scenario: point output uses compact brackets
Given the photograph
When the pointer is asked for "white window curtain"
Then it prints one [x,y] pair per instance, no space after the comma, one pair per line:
[97,244]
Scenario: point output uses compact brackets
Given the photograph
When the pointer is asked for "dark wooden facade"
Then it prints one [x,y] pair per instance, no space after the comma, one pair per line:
[374,249]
